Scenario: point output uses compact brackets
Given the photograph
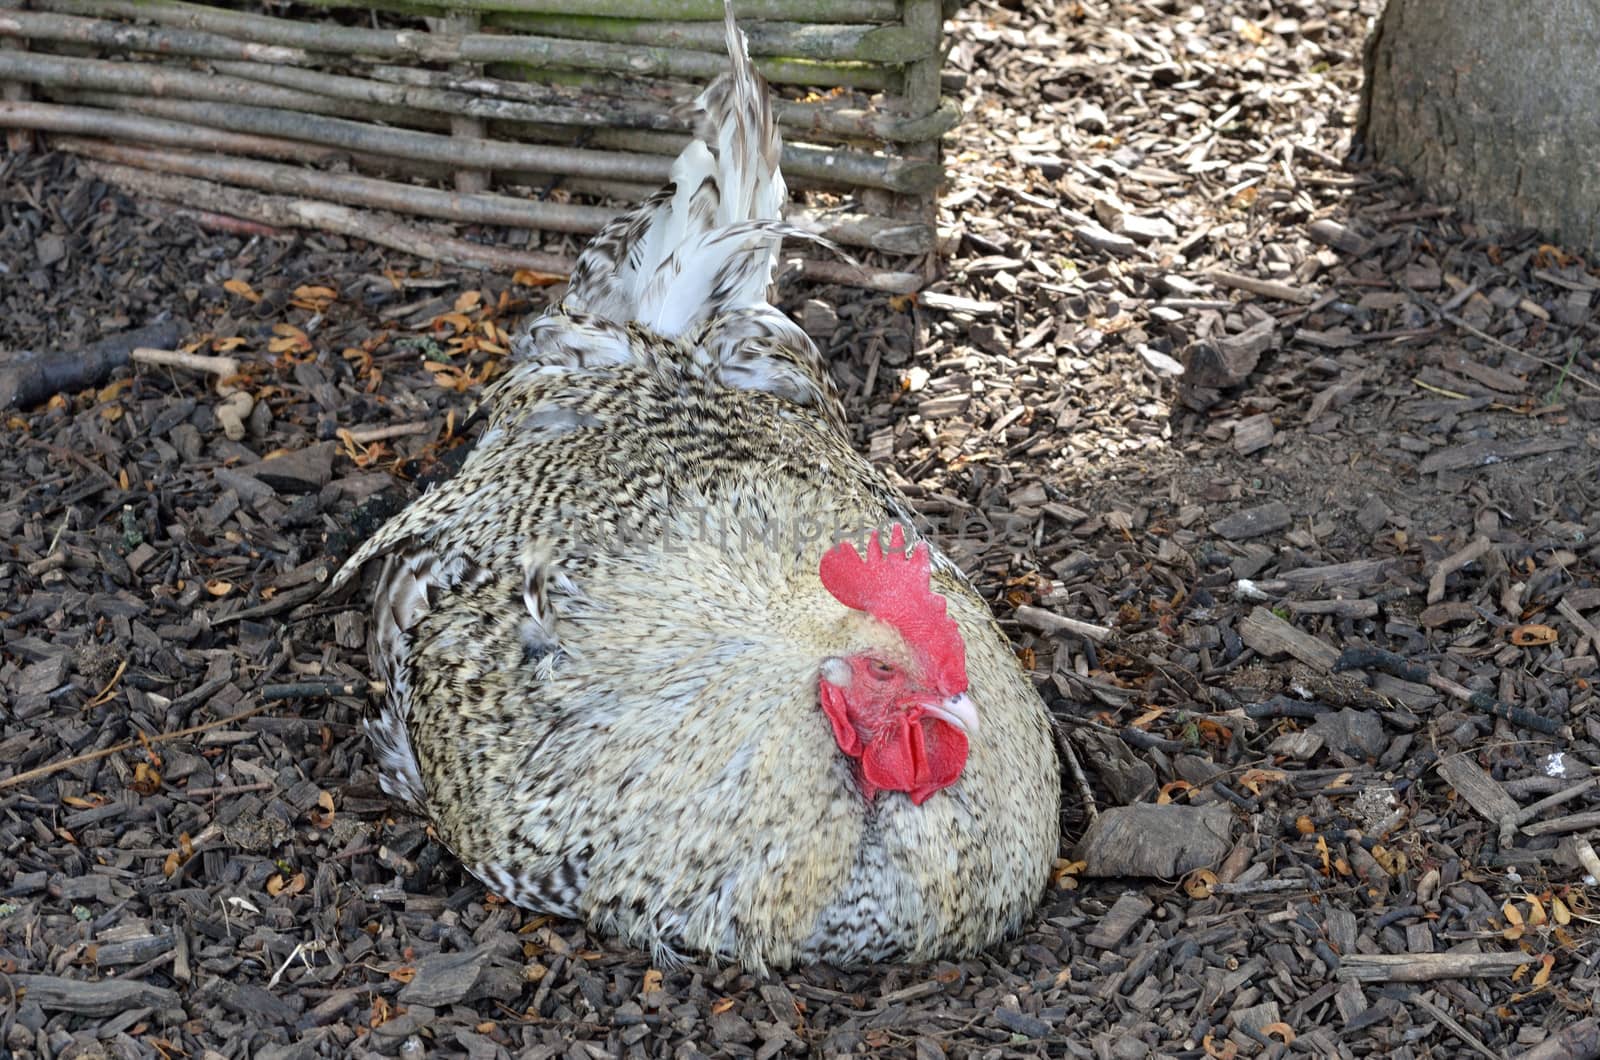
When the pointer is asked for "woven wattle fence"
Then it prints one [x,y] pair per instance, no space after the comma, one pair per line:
[548,115]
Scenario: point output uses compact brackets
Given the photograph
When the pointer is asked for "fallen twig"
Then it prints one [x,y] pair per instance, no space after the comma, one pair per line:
[1529,812]
[304,689]
[305,213]
[1426,967]
[1248,887]
[224,368]
[1455,1026]
[1265,288]
[31,775]
[29,379]
[1090,809]
[1050,622]
[1452,563]
[1576,822]
[1508,348]
[368,435]
[1397,666]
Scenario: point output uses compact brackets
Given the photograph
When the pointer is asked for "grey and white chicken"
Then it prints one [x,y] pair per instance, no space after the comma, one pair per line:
[635,677]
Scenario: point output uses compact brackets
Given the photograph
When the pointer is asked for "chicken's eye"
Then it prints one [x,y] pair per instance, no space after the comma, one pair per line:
[881,670]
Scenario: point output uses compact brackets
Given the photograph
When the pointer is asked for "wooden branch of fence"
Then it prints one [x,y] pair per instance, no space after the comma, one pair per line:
[850,229]
[195,103]
[283,212]
[129,37]
[446,92]
[13,91]
[686,10]
[350,190]
[524,50]
[240,104]
[652,170]
[889,44]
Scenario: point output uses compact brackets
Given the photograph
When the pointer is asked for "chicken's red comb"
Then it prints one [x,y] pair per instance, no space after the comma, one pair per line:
[894,588]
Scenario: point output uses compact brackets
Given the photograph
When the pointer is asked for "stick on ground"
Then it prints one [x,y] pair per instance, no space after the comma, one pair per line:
[26,379]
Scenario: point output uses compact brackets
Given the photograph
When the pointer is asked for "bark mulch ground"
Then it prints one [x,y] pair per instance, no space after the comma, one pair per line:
[1283,479]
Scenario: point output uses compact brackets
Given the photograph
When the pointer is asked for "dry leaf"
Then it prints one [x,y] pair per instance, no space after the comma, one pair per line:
[460,321]
[530,278]
[467,301]
[1144,720]
[242,289]
[218,587]
[231,343]
[146,779]
[1394,862]
[723,1004]
[112,391]
[403,974]
[1066,873]
[1167,791]
[1281,1031]
[289,339]
[106,694]
[652,981]
[1515,929]
[1255,779]
[1532,635]
[277,885]
[1199,883]
[322,814]
[315,297]
[1542,976]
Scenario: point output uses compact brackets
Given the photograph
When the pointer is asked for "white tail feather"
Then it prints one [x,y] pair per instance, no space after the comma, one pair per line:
[689,253]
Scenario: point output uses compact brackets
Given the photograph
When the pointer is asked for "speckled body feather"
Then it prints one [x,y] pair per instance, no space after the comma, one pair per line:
[602,637]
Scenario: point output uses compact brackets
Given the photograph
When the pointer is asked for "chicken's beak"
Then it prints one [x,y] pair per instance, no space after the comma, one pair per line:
[959,711]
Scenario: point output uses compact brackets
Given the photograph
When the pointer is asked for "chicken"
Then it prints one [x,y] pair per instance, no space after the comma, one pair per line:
[667,655]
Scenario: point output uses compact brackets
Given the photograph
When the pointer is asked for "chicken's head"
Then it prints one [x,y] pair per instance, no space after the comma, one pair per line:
[901,710]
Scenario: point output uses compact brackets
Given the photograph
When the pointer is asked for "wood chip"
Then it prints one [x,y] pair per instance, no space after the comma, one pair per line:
[105,998]
[1150,840]
[1253,522]
[1426,967]
[1480,790]
[1489,451]
[1265,288]
[1273,637]
[1123,916]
